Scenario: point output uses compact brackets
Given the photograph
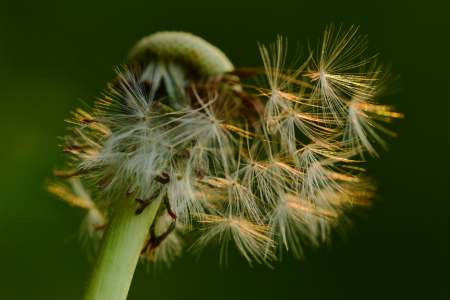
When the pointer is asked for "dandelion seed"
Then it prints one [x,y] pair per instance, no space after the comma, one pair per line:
[317,179]
[76,195]
[289,226]
[164,243]
[274,60]
[337,55]
[249,238]
[360,128]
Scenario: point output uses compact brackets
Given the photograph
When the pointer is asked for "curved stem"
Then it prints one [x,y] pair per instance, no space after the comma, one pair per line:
[118,254]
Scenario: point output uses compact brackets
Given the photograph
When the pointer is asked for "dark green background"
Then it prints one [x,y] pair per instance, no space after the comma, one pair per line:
[54,53]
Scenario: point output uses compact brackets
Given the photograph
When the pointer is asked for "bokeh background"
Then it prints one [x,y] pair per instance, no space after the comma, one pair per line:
[54,54]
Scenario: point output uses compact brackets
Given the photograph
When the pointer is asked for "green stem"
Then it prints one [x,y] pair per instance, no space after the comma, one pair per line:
[118,254]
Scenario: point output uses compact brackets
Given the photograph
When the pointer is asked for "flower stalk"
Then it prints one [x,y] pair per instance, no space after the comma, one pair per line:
[118,254]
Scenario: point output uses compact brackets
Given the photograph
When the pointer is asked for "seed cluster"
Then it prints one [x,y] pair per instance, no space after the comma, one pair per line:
[271,166]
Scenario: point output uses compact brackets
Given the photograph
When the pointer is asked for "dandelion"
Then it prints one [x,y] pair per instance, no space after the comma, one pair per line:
[180,150]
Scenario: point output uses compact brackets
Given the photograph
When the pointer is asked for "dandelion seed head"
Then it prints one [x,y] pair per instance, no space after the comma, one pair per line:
[269,167]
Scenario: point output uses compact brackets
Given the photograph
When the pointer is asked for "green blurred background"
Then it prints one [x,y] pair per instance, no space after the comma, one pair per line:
[54,54]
